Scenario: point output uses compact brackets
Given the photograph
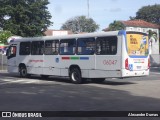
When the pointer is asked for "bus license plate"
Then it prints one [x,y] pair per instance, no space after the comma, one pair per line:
[138,67]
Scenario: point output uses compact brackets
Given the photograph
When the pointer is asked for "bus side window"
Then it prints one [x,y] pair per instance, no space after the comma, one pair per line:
[106,45]
[67,46]
[51,47]
[86,46]
[37,47]
[24,48]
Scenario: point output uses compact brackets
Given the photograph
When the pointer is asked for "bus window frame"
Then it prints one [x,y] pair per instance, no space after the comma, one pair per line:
[40,49]
[74,46]
[94,46]
[20,53]
[111,53]
[55,47]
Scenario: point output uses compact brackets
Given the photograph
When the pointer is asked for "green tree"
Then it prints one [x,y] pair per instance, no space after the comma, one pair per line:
[152,35]
[4,35]
[150,13]
[80,24]
[25,17]
[116,25]
[2,13]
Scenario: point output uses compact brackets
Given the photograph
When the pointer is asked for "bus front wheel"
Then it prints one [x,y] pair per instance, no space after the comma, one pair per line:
[75,76]
[23,72]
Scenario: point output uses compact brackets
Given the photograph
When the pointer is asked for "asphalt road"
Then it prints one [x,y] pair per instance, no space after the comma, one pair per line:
[59,94]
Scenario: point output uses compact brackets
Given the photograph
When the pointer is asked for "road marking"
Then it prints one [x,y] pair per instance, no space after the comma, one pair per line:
[6,81]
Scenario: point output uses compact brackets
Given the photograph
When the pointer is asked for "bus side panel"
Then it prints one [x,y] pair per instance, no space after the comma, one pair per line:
[84,62]
[51,65]
[35,64]
[104,73]
[109,65]
[24,59]
[59,65]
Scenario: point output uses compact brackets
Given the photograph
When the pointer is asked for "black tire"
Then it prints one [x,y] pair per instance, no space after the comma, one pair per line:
[44,76]
[98,80]
[23,72]
[75,76]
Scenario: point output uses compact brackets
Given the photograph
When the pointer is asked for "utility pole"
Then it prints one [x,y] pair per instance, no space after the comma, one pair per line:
[88,7]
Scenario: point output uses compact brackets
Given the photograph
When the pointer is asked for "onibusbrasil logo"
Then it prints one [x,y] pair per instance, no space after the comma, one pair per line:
[21,114]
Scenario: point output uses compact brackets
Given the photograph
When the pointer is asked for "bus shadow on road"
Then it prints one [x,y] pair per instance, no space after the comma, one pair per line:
[67,80]
[109,82]
[114,83]
[88,81]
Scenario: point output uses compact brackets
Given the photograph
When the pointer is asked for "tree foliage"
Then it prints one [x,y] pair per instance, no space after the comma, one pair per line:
[152,34]
[4,35]
[25,17]
[2,13]
[150,13]
[116,25]
[80,24]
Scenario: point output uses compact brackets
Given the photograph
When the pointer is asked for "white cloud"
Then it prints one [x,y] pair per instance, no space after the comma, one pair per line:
[115,10]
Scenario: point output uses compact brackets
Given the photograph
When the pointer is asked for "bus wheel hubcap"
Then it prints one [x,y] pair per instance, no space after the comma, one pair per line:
[23,72]
[75,76]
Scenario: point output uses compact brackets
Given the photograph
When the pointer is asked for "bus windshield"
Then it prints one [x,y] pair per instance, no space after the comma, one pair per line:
[137,44]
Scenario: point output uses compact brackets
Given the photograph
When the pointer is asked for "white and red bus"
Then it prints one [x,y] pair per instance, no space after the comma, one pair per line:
[93,55]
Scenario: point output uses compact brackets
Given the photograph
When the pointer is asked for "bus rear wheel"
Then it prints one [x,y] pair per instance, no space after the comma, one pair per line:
[75,76]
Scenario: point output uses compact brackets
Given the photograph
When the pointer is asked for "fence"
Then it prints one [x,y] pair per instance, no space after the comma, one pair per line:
[3,62]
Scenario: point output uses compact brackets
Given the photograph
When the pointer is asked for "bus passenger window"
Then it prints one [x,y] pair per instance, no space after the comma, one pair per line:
[37,47]
[51,47]
[67,46]
[86,46]
[106,45]
[24,48]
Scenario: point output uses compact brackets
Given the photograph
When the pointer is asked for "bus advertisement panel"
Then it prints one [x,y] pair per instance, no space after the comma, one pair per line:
[137,44]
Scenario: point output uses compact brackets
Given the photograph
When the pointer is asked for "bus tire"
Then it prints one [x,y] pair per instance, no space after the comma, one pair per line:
[75,76]
[98,80]
[23,72]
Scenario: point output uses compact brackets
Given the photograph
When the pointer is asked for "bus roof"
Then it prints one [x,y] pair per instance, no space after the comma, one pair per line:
[97,34]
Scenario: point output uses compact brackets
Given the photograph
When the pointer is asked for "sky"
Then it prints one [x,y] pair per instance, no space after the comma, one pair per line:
[103,12]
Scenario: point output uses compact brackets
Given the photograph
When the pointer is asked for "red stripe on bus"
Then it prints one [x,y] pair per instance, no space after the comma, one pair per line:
[65,58]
